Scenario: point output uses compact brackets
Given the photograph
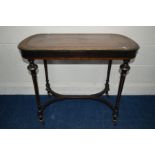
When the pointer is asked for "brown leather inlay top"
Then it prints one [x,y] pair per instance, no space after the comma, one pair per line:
[104,42]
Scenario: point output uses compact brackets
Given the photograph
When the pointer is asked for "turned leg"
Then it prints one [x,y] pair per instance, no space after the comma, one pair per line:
[48,89]
[32,67]
[124,70]
[108,76]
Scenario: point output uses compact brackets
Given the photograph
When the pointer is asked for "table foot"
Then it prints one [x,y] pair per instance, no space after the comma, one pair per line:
[42,122]
[40,115]
[115,116]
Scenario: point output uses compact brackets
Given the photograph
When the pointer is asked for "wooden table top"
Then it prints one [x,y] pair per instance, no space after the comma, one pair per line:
[73,45]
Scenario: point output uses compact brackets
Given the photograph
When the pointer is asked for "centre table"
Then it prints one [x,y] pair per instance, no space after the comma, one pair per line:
[81,47]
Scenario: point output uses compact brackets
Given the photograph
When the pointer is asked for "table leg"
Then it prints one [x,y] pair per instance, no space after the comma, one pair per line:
[107,88]
[32,67]
[124,70]
[47,80]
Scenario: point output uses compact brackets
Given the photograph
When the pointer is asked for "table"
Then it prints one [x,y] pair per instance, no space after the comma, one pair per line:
[78,47]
